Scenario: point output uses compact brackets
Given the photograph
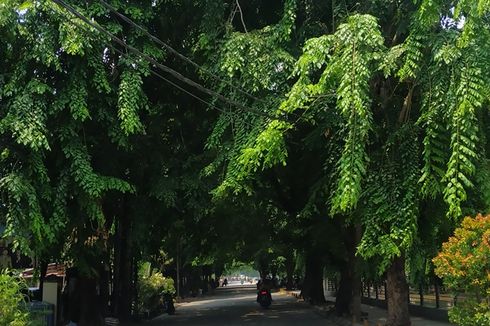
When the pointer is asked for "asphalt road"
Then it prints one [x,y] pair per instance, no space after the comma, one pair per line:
[237,306]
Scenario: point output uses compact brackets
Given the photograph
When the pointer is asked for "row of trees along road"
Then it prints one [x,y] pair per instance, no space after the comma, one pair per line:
[347,134]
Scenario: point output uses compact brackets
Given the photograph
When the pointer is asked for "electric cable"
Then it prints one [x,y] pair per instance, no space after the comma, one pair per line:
[176,74]
[175,52]
[164,78]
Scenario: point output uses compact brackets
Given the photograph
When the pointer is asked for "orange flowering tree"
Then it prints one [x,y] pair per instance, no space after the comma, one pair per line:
[464,264]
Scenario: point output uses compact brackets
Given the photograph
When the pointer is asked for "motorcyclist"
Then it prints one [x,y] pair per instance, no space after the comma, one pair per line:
[264,285]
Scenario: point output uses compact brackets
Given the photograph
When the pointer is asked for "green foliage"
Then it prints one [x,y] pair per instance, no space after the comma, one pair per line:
[92,183]
[455,91]
[363,44]
[130,101]
[81,142]
[350,55]
[26,117]
[391,200]
[455,88]
[482,181]
[283,30]
[436,140]
[461,164]
[13,310]
[53,122]
[269,147]
[469,313]
[423,21]
[24,210]
[151,289]
[463,264]
[259,60]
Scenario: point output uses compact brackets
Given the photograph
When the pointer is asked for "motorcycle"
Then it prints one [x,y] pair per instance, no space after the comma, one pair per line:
[264,298]
[168,304]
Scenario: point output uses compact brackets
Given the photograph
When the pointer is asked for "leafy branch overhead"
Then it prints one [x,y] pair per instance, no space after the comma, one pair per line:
[346,61]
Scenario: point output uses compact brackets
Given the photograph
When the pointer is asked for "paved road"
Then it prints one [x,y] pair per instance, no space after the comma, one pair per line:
[237,306]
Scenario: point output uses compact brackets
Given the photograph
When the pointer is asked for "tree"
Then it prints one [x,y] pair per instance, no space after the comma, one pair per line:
[464,264]
[390,87]
[74,117]
[332,108]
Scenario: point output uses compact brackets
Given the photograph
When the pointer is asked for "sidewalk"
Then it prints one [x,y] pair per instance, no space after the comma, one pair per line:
[378,316]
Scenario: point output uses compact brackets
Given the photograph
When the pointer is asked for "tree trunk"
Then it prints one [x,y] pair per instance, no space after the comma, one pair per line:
[104,283]
[312,290]
[355,307]
[397,289]
[436,289]
[289,272]
[344,293]
[348,299]
[42,275]
[90,307]
[123,268]
[421,294]
[177,267]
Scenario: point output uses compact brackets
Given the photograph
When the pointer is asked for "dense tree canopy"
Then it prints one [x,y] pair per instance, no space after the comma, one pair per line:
[299,131]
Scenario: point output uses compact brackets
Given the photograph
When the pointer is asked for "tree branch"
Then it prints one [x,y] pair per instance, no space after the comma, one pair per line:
[241,16]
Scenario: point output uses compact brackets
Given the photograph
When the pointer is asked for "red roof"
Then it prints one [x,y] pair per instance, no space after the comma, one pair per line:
[53,270]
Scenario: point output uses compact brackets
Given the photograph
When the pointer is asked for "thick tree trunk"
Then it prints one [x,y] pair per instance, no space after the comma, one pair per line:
[90,307]
[348,299]
[397,288]
[312,290]
[104,284]
[344,293]
[123,269]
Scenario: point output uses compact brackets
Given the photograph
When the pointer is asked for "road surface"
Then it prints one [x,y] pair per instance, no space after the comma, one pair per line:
[237,306]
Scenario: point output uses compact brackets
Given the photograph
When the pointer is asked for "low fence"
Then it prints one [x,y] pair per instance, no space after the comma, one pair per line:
[415,310]
[430,304]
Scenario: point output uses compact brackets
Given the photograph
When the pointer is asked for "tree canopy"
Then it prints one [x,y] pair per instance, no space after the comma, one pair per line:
[276,131]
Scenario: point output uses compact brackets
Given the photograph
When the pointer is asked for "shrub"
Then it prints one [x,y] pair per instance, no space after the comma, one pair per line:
[151,289]
[464,264]
[13,310]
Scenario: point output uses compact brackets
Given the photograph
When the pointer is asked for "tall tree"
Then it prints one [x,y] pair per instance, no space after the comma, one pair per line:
[406,80]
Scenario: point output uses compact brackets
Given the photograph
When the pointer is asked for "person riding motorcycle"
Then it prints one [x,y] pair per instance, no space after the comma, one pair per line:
[264,285]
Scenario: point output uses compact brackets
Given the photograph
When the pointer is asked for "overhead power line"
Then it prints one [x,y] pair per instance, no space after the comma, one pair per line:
[174,73]
[175,52]
[153,72]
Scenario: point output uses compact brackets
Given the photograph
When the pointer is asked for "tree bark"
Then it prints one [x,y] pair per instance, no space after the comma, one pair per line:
[90,307]
[42,275]
[312,290]
[397,289]
[421,294]
[348,299]
[344,293]
[123,270]
[436,290]
[355,307]
[289,272]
